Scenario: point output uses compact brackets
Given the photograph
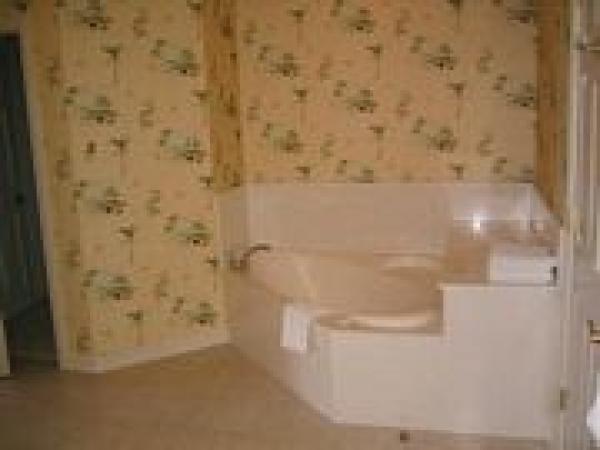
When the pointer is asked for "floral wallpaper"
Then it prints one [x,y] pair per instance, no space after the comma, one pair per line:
[135,95]
[382,90]
[551,161]
[127,107]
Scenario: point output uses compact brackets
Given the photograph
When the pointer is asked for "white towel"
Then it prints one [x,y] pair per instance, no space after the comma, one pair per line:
[295,327]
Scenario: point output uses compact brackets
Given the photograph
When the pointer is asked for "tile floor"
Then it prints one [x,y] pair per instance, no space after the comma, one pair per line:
[213,399]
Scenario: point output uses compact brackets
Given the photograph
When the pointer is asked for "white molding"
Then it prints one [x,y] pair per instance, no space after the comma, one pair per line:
[41,169]
[149,353]
[569,432]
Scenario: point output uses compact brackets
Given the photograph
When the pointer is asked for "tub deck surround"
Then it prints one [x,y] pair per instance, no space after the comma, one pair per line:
[409,332]
[385,217]
[492,371]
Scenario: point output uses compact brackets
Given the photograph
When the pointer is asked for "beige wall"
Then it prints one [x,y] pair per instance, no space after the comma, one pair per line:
[377,90]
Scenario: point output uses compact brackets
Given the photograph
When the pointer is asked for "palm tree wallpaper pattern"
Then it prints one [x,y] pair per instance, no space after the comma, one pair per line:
[133,158]
[434,90]
[135,74]
[153,107]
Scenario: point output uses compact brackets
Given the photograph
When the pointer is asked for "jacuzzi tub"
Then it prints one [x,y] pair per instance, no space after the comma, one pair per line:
[352,290]
[415,340]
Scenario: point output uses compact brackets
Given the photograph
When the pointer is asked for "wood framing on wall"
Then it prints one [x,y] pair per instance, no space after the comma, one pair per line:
[553,89]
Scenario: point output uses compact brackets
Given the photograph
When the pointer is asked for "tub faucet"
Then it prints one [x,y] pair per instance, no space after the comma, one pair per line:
[239,262]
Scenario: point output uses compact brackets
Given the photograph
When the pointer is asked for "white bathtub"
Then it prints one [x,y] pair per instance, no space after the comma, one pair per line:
[433,340]
[356,290]
[408,330]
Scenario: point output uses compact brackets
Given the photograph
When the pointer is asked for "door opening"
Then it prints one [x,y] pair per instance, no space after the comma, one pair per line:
[25,307]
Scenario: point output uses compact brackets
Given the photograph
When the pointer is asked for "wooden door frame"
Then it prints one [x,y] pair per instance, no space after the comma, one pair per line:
[42,173]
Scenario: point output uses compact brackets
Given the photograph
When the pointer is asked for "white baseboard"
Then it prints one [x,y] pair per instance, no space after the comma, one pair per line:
[138,355]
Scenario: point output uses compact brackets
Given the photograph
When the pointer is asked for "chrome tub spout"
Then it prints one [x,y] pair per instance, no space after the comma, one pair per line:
[240,261]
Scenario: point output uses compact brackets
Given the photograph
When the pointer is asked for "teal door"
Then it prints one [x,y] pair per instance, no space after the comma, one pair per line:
[23,283]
